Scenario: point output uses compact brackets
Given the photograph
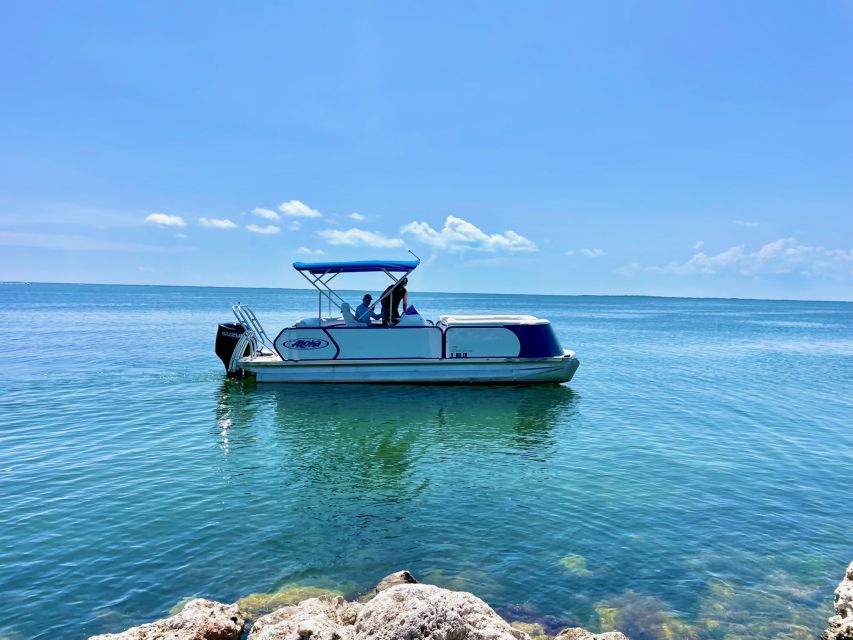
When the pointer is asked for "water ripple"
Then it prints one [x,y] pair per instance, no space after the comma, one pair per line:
[697,464]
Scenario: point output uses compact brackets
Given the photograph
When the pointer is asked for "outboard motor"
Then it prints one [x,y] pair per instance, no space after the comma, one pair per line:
[227,336]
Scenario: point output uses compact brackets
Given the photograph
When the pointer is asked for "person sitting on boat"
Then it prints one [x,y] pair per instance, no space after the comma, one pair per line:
[391,298]
[363,314]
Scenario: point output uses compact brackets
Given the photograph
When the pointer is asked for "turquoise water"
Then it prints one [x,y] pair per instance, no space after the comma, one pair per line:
[693,481]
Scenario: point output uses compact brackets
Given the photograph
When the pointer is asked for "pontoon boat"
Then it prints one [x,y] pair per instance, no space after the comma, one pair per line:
[455,349]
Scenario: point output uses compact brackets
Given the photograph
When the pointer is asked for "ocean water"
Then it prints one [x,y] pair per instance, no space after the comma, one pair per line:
[693,480]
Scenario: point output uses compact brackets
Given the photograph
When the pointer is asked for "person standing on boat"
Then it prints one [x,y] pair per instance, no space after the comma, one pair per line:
[391,298]
[363,314]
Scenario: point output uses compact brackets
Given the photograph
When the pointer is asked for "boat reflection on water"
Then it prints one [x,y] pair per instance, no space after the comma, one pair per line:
[371,437]
[342,484]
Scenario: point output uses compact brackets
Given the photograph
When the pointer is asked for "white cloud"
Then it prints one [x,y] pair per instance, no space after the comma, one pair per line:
[270,229]
[698,245]
[294,225]
[357,217]
[165,220]
[182,236]
[298,209]
[217,223]
[782,256]
[310,252]
[356,237]
[268,214]
[589,253]
[460,235]
[746,223]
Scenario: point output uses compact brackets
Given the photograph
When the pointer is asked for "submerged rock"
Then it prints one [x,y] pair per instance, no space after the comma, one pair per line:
[738,612]
[535,630]
[526,614]
[577,633]
[179,605]
[417,611]
[643,617]
[841,624]
[576,564]
[462,579]
[324,618]
[199,620]
[255,605]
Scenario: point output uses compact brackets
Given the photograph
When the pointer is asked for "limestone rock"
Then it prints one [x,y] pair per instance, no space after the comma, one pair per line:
[199,620]
[392,580]
[324,618]
[841,624]
[577,633]
[416,611]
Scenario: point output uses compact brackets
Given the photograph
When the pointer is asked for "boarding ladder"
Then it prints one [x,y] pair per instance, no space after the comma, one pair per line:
[254,335]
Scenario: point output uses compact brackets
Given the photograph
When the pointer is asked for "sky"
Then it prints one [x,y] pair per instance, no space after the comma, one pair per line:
[652,148]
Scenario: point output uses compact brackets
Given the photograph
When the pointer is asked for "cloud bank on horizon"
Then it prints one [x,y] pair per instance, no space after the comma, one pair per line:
[453,239]
[783,256]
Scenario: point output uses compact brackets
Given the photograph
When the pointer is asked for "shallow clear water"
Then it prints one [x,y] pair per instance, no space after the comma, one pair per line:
[692,481]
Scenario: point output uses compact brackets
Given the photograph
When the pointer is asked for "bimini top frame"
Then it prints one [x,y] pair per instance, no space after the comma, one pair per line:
[358,266]
[320,274]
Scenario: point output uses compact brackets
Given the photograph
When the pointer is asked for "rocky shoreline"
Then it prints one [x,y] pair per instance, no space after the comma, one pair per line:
[399,607]
[841,624]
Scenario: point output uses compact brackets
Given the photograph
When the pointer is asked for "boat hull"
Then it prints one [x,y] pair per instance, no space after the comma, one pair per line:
[443,371]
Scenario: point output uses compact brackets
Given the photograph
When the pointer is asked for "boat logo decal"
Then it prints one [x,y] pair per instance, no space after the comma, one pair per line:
[306,343]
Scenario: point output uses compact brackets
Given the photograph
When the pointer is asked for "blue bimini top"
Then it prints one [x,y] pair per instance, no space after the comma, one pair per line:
[359,266]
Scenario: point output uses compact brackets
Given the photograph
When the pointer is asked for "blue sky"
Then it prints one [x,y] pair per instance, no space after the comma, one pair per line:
[670,148]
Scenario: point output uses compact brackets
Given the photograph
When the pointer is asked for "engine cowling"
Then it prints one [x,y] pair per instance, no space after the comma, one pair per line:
[228,334]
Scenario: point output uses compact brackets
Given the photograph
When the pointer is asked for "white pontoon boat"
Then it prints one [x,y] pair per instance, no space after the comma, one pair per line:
[455,349]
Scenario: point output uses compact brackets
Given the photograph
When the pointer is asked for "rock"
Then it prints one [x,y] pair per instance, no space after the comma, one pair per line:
[324,618]
[841,624]
[400,577]
[255,605]
[415,611]
[199,620]
[577,633]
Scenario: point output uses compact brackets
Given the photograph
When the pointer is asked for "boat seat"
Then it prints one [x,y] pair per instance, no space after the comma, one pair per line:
[349,317]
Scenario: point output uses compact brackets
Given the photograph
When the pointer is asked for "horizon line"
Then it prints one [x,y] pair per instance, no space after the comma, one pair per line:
[475,293]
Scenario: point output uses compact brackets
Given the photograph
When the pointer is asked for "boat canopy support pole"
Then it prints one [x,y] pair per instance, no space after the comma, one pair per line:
[324,290]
